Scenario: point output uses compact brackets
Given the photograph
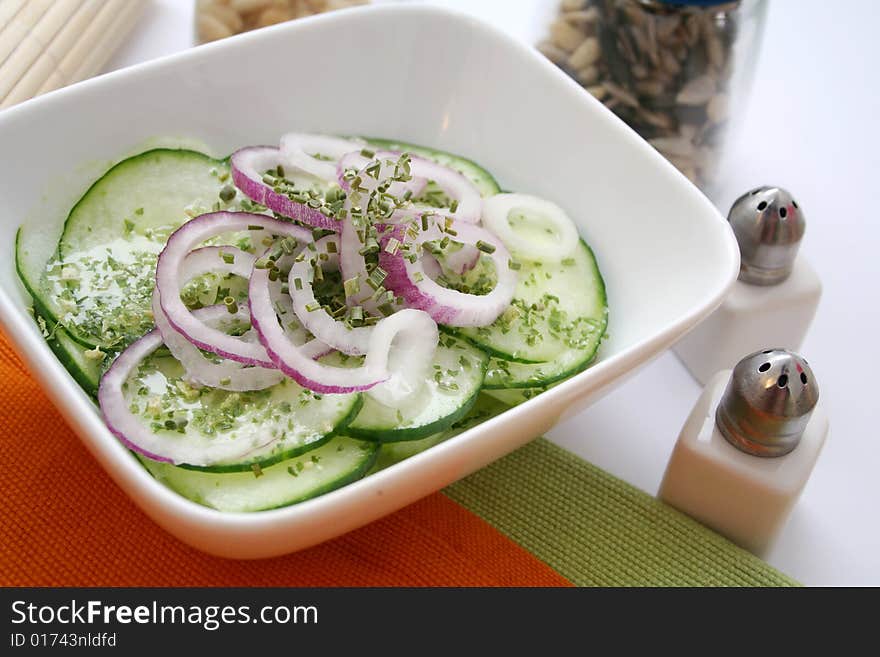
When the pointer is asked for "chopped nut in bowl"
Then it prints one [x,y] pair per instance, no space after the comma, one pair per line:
[217,19]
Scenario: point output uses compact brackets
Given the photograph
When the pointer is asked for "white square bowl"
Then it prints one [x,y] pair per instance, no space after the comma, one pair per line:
[420,74]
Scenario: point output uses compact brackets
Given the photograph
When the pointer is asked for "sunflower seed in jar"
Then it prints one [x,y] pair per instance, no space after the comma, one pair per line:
[565,35]
[669,69]
[585,54]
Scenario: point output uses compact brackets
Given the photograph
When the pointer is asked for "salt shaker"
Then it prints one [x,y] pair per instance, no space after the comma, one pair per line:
[748,448]
[777,294]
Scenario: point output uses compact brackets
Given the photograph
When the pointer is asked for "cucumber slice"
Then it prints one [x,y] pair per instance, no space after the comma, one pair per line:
[447,395]
[502,374]
[159,395]
[557,308]
[391,453]
[515,396]
[98,286]
[85,371]
[481,178]
[335,464]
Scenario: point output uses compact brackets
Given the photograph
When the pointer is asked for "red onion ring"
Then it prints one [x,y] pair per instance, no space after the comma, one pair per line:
[451,307]
[169,271]
[228,374]
[248,165]
[196,450]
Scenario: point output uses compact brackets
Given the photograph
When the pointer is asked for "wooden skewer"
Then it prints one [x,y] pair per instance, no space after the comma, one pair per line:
[90,38]
[116,33]
[43,75]
[14,33]
[8,10]
[29,50]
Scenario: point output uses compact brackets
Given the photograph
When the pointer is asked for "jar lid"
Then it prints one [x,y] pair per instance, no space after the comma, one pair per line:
[694,3]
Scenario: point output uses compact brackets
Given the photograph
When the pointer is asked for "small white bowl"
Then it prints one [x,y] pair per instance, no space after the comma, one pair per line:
[415,73]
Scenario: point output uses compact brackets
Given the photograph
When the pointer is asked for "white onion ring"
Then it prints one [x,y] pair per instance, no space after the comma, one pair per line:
[462,260]
[496,214]
[169,271]
[347,339]
[451,307]
[412,331]
[416,184]
[455,185]
[136,435]
[300,148]
[248,165]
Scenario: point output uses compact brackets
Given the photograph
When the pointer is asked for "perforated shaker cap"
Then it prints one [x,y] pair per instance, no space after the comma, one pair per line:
[767,403]
[769,225]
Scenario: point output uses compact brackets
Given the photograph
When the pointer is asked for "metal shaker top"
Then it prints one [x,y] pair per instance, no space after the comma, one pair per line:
[769,225]
[767,403]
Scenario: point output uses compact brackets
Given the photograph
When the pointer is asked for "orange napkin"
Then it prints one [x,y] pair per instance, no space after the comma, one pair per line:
[63,522]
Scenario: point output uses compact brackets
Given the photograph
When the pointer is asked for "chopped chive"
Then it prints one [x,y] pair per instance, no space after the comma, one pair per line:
[231,305]
[257,470]
[227,193]
[228,258]
[254,227]
[352,286]
[312,307]
[515,266]
[139,211]
[298,283]
[568,262]
[453,206]
[273,273]
[484,247]
[331,247]
[129,226]
[225,381]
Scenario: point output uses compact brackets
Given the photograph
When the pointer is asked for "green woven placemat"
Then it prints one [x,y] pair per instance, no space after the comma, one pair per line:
[597,530]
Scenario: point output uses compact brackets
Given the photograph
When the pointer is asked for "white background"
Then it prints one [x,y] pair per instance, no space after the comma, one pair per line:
[811,126]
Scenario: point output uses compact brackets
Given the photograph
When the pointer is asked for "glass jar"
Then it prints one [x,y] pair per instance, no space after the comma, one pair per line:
[678,72]
[216,19]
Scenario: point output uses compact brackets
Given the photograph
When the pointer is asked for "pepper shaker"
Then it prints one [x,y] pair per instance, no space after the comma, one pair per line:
[748,448]
[777,294]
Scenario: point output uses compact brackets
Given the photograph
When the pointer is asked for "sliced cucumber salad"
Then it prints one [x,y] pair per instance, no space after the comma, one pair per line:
[264,328]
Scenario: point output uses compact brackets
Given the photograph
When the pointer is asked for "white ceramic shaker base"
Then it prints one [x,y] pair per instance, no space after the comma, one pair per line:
[751,318]
[746,498]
